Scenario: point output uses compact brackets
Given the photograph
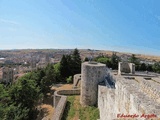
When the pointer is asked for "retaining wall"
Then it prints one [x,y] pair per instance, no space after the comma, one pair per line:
[60,100]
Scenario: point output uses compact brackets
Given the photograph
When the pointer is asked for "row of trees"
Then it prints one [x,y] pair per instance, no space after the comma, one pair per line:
[145,67]
[112,62]
[68,66]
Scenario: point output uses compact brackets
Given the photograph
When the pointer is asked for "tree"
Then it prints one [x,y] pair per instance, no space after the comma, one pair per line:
[70,65]
[143,67]
[49,72]
[64,67]
[105,60]
[57,72]
[156,67]
[26,93]
[76,62]
[86,59]
[114,61]
[134,60]
[16,113]
[149,67]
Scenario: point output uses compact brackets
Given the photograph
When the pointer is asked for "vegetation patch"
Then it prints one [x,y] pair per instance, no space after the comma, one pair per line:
[75,111]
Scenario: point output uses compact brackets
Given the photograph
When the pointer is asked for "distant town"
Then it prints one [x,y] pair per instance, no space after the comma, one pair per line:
[15,63]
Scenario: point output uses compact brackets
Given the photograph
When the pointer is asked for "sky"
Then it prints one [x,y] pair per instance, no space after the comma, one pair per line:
[117,25]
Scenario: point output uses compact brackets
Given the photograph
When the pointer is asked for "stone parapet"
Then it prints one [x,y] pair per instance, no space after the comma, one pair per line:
[60,109]
[60,101]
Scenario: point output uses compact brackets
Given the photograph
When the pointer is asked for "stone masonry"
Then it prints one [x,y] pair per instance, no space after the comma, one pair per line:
[92,74]
[120,97]
[126,68]
[137,95]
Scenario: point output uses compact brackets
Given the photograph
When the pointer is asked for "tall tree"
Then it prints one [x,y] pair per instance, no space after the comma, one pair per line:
[57,72]
[114,61]
[106,61]
[156,67]
[143,67]
[49,71]
[76,62]
[135,60]
[25,92]
[70,65]
[64,67]
[24,95]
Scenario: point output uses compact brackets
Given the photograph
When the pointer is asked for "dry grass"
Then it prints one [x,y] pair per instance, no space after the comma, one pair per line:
[48,111]
[46,108]
[140,56]
[75,111]
[62,87]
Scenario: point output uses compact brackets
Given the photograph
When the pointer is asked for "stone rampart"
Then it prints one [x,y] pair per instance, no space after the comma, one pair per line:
[130,96]
[60,101]
[60,109]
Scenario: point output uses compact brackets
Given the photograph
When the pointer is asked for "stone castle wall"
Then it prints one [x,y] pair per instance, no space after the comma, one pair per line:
[117,95]
[130,96]
[60,109]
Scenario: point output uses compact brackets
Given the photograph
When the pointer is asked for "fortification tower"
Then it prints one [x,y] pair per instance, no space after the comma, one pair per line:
[92,74]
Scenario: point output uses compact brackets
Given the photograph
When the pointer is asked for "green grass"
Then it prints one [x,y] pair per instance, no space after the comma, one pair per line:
[74,110]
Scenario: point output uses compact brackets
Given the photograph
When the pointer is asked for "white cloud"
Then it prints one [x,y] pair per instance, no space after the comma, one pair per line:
[8,21]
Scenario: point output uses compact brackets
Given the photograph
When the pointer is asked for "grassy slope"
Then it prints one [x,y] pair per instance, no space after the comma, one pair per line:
[75,111]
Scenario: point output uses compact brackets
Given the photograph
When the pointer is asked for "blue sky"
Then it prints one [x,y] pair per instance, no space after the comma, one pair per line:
[119,25]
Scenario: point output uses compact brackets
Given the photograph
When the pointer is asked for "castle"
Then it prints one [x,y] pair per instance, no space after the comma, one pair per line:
[123,94]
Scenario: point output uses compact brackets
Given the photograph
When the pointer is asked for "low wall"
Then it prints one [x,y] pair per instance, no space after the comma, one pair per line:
[60,101]
[76,80]
[58,94]
[60,109]
[126,67]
